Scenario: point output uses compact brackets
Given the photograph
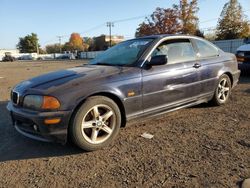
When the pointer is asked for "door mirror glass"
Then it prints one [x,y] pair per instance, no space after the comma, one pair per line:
[158,60]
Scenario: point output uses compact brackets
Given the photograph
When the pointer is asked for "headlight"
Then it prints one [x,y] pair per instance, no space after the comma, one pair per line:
[37,102]
[241,54]
[33,102]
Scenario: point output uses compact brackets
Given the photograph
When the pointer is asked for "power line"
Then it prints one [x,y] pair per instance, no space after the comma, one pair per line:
[101,25]
[213,28]
[48,41]
[93,28]
[205,21]
[86,31]
[134,18]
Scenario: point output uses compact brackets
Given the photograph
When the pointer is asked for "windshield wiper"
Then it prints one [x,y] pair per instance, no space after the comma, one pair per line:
[103,63]
[107,64]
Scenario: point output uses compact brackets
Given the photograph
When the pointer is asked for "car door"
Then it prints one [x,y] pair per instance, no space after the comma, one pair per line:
[174,83]
[210,64]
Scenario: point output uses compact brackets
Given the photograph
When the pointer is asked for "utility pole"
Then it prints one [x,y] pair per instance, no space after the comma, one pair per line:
[110,25]
[60,43]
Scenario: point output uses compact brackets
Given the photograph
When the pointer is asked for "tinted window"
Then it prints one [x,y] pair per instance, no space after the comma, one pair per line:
[205,49]
[177,51]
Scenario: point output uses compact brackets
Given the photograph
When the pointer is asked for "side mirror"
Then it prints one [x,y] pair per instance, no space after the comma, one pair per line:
[158,60]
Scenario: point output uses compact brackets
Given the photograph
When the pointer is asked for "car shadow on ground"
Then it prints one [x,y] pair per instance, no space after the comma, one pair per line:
[203,105]
[17,147]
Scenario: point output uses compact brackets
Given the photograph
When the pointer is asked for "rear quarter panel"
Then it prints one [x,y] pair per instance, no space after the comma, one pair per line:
[213,68]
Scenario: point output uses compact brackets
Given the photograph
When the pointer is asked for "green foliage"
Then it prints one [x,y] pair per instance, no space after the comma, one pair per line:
[28,44]
[211,36]
[89,43]
[188,17]
[232,23]
[53,48]
[42,51]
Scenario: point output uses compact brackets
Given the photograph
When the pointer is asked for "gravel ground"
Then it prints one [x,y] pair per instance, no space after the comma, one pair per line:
[202,146]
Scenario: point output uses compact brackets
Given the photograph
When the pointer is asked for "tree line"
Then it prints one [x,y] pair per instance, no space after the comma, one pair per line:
[29,44]
[76,43]
[181,18]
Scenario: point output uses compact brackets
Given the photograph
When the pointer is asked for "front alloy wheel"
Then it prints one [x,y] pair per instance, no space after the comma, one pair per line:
[96,123]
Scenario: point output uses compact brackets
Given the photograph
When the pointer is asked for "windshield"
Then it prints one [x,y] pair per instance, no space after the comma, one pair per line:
[125,53]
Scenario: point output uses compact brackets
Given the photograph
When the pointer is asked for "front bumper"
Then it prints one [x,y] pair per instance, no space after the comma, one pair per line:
[31,124]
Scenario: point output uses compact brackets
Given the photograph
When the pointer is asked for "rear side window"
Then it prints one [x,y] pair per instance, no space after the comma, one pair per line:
[205,49]
[177,51]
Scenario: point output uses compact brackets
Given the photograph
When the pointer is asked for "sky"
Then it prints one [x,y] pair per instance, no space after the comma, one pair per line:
[52,18]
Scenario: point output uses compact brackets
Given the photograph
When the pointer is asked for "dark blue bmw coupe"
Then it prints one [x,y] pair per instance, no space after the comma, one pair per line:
[136,78]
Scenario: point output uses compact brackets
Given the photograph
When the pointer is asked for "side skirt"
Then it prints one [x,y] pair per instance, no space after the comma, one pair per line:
[167,109]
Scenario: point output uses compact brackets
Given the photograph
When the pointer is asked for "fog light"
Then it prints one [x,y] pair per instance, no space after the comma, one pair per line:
[52,121]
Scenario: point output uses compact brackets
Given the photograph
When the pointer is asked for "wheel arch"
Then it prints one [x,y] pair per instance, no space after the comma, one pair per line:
[225,71]
[110,95]
[230,76]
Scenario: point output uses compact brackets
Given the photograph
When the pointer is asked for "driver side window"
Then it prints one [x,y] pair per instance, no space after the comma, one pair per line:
[177,51]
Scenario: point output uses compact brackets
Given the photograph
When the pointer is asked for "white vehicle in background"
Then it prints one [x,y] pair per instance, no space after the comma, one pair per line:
[243,52]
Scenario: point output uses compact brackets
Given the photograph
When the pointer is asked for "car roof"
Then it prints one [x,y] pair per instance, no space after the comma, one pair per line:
[160,36]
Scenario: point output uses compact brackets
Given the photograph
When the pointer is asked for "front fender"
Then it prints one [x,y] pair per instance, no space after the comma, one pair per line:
[110,90]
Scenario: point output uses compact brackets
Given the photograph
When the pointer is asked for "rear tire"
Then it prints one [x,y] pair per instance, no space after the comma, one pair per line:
[96,123]
[223,91]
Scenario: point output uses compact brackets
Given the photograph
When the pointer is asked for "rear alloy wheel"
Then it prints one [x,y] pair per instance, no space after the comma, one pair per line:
[222,91]
[96,123]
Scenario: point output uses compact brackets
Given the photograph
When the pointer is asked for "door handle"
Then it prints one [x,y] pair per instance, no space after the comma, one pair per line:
[197,65]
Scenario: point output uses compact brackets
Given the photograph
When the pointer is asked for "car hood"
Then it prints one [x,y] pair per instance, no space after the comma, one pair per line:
[245,47]
[84,73]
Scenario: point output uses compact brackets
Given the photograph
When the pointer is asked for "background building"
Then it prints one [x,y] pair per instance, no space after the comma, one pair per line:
[102,42]
[12,51]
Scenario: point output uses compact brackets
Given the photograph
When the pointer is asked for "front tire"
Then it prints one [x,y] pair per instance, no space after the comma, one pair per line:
[96,123]
[223,91]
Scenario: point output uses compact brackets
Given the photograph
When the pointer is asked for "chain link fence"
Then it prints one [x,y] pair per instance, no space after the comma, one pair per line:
[229,45]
